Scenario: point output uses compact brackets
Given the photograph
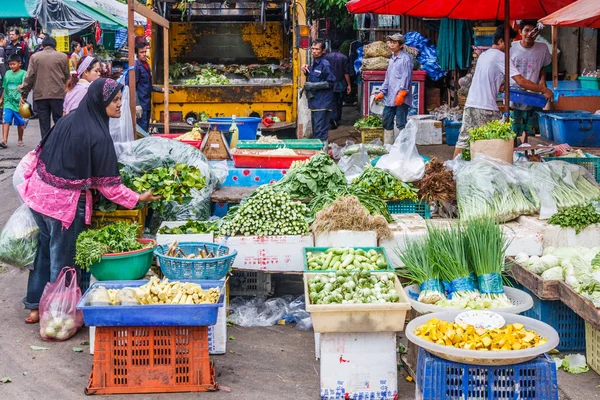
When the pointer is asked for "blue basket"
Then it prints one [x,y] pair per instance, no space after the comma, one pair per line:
[442,379]
[246,125]
[409,207]
[576,129]
[150,315]
[545,122]
[485,40]
[183,268]
[591,163]
[528,98]
[570,326]
[452,132]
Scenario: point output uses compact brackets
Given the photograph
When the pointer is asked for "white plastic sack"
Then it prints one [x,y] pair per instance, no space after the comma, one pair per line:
[404,161]
[121,129]
[376,107]
[354,165]
[19,238]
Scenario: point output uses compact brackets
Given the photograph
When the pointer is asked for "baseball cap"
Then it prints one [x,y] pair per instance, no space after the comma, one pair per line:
[397,37]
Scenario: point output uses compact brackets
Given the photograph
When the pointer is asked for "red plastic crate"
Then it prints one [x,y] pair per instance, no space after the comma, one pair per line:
[195,143]
[254,159]
[163,359]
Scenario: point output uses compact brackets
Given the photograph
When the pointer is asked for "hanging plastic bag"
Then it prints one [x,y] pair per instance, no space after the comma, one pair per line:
[59,317]
[404,161]
[121,129]
[23,167]
[19,238]
[376,107]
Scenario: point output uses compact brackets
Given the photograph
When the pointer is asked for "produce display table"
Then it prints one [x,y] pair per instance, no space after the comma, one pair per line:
[250,176]
[580,305]
[537,140]
[545,290]
[570,96]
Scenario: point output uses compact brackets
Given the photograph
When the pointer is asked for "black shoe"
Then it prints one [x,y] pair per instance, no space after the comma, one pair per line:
[3,145]
[334,125]
[34,116]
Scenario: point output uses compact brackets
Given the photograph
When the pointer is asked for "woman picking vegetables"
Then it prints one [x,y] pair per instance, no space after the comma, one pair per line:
[75,156]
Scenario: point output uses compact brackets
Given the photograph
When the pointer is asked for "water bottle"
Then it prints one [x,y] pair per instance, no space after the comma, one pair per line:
[235,133]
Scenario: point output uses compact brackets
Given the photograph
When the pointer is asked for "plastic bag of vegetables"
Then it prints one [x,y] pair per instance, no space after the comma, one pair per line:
[19,238]
[59,317]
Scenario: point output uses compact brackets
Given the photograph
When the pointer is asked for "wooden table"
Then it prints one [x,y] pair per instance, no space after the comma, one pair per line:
[537,140]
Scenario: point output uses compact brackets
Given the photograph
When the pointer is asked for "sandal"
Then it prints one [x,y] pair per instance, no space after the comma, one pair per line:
[21,144]
[30,320]
[3,145]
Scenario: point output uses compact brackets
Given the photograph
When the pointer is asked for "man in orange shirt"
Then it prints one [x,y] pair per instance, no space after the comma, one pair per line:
[88,50]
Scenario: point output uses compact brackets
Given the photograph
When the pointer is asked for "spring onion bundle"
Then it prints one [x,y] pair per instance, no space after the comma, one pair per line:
[420,269]
[486,249]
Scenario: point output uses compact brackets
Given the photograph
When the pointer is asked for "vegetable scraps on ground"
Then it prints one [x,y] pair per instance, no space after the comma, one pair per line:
[346,258]
[578,217]
[266,212]
[347,213]
[344,287]
[92,244]
[382,184]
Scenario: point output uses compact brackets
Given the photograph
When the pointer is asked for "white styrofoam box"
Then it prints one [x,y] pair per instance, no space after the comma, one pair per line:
[269,253]
[360,365]
[555,236]
[317,345]
[408,220]
[346,239]
[193,237]
[522,240]
[429,132]
[217,334]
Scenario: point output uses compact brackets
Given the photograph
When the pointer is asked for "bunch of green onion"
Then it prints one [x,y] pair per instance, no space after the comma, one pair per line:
[420,269]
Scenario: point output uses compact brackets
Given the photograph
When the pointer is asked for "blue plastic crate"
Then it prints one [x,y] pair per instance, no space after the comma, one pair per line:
[545,122]
[409,207]
[529,98]
[247,126]
[452,132]
[150,315]
[576,129]
[484,40]
[441,379]
[204,268]
[570,326]
[591,163]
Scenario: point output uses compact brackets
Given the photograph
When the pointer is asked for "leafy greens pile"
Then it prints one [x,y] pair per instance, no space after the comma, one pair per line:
[190,227]
[372,121]
[492,130]
[578,217]
[208,77]
[382,184]
[115,238]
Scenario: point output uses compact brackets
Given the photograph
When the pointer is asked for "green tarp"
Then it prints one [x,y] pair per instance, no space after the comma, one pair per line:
[106,20]
[13,9]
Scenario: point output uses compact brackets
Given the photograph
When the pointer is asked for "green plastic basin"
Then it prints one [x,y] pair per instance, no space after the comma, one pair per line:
[131,265]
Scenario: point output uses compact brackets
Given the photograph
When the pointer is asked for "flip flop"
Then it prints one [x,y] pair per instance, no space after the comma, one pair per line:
[28,320]
[21,144]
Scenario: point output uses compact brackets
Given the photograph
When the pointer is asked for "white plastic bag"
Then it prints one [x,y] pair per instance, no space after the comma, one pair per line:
[121,129]
[19,238]
[376,107]
[404,161]
[353,165]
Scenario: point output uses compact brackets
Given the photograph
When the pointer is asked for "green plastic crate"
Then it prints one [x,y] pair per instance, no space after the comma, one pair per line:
[323,249]
[299,144]
[409,207]
[589,82]
[591,163]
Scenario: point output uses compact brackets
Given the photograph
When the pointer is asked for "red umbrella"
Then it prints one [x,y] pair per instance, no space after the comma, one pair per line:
[582,13]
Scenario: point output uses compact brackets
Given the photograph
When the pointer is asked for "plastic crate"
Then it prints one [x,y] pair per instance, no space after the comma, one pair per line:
[410,207]
[258,158]
[151,360]
[247,126]
[529,98]
[250,283]
[545,122]
[303,144]
[589,82]
[591,163]
[452,132]
[570,326]
[380,250]
[185,268]
[592,347]
[442,379]
[101,219]
[576,129]
[484,40]
[367,135]
[151,315]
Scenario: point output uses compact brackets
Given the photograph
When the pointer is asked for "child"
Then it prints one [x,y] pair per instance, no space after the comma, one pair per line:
[12,99]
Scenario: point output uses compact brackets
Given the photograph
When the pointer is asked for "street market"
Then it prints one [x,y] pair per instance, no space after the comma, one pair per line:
[297,200]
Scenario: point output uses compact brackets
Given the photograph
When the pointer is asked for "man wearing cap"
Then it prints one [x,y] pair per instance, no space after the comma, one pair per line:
[397,88]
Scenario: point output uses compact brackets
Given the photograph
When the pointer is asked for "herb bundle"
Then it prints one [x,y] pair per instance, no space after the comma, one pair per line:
[420,269]
[578,217]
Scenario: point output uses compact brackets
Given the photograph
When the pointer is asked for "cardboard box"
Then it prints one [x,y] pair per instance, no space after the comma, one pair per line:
[268,253]
[194,237]
[346,239]
[359,366]
[217,334]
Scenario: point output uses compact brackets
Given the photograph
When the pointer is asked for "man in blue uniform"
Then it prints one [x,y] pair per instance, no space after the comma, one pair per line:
[396,88]
[319,91]
[341,70]
[143,84]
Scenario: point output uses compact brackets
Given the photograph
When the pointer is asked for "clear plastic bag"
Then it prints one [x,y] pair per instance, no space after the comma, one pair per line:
[24,166]
[355,164]
[98,296]
[19,238]
[404,161]
[257,311]
[153,152]
[128,297]
[59,317]
[121,129]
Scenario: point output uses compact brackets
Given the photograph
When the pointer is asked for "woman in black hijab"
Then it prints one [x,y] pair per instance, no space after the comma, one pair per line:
[75,156]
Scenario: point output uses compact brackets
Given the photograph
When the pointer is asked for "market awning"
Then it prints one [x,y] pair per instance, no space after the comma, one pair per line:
[582,13]
[459,9]
[106,20]
[113,7]
[14,9]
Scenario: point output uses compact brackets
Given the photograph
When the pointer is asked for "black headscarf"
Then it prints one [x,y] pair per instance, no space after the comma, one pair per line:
[78,153]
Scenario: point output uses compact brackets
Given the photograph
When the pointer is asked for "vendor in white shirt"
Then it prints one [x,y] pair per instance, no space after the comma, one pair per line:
[530,58]
[481,106]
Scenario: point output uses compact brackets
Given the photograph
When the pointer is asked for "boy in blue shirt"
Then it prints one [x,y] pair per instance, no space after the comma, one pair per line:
[11,98]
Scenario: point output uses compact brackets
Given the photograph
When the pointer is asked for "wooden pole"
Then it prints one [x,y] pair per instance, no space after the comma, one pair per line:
[507,44]
[166,77]
[555,57]
[131,62]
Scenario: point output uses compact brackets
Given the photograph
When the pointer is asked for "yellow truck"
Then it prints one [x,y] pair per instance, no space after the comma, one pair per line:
[227,59]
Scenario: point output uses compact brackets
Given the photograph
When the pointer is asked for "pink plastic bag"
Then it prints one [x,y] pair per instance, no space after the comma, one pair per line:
[59,317]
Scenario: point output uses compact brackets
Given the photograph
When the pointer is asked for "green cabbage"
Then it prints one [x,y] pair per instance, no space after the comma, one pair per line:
[553,274]
[575,364]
